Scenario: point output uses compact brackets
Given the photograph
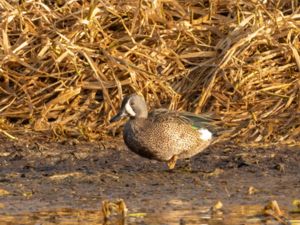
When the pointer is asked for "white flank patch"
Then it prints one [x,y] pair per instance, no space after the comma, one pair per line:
[129,109]
[205,134]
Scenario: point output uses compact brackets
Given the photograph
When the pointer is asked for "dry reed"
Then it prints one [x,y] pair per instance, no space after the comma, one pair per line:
[65,65]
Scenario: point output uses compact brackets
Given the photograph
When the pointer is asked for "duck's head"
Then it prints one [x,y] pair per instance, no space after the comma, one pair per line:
[133,106]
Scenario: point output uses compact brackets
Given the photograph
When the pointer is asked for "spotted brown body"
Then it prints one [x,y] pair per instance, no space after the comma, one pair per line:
[162,135]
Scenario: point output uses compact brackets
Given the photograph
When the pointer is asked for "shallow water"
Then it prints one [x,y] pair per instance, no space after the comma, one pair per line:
[45,182]
[234,215]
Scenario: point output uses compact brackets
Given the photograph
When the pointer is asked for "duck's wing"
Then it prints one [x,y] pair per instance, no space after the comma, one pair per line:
[197,121]
[204,120]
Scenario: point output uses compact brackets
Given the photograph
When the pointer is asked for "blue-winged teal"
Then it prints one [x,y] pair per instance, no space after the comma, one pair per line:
[162,135]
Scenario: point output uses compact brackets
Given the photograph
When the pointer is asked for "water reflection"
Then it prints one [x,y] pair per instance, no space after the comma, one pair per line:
[234,215]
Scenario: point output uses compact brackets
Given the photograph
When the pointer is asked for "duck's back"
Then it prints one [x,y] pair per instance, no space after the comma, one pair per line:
[163,135]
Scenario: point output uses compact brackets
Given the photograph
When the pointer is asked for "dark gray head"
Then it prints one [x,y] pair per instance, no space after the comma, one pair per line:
[133,106]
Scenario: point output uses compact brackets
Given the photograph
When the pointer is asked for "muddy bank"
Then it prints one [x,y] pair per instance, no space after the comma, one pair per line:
[39,174]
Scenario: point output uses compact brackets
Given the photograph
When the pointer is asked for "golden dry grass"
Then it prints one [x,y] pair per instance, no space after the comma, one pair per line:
[65,65]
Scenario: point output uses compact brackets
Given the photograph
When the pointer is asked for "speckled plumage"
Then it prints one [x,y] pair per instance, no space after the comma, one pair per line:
[162,135]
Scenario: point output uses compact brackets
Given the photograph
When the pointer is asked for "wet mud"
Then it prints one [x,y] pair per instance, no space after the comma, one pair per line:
[38,174]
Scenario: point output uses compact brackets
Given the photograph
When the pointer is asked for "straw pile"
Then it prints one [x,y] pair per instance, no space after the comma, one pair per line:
[65,65]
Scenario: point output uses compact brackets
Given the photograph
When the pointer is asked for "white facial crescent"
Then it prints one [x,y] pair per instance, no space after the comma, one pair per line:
[129,110]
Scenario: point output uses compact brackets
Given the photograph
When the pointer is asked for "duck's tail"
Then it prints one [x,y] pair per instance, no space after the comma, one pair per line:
[212,123]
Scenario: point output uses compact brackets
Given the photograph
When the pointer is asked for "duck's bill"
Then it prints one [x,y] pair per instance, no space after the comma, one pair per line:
[117,117]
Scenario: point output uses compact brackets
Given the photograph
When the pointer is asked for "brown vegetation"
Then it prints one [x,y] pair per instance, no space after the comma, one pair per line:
[66,64]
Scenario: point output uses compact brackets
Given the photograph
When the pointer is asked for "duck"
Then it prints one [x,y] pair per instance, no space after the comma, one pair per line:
[162,134]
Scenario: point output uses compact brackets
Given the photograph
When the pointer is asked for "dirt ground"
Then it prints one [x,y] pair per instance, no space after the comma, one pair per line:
[40,174]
